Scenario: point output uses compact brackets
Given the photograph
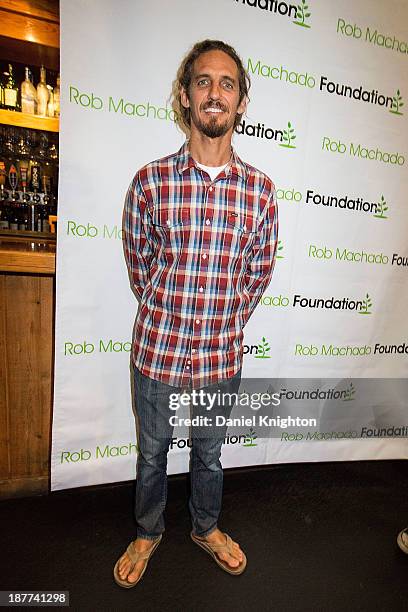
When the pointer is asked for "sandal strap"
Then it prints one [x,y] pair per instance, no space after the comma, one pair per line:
[222,548]
[135,555]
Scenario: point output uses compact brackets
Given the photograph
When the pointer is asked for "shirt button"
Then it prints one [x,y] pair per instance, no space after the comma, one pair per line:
[188,360]
[208,222]
[201,289]
[210,189]
[187,367]
[204,256]
[193,350]
[198,321]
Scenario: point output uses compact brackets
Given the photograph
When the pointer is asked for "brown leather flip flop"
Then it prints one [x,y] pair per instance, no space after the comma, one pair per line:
[213,549]
[134,557]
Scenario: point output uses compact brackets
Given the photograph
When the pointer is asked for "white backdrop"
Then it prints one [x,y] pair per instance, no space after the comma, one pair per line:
[118,61]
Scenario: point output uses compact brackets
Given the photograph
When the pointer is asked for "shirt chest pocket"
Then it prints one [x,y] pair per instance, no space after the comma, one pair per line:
[172,227]
[245,223]
[165,219]
[240,231]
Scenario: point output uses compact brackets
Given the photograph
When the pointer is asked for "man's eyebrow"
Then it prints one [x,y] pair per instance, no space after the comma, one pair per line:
[205,75]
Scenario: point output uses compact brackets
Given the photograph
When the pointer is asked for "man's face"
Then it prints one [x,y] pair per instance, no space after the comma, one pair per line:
[213,97]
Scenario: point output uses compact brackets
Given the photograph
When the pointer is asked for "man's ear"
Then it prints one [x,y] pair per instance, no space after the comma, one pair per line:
[184,98]
[242,106]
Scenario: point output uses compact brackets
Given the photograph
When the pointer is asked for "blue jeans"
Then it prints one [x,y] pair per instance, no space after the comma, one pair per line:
[154,437]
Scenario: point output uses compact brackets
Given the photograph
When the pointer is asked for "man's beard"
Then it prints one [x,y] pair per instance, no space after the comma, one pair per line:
[213,129]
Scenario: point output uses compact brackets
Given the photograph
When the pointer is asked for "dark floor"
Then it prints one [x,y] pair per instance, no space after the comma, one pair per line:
[317,536]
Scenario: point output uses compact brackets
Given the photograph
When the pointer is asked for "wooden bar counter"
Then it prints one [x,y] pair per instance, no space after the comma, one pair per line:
[27,292]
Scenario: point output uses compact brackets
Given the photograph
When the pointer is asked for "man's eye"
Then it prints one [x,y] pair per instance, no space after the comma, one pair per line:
[228,85]
[202,82]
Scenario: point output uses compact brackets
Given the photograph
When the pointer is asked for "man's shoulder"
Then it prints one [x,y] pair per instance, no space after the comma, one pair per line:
[257,178]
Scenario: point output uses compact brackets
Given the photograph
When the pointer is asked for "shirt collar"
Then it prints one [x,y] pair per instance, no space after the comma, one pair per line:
[185,161]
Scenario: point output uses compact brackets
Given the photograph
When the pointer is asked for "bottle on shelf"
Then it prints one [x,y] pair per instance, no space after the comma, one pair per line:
[50,105]
[4,216]
[57,97]
[10,93]
[28,94]
[24,218]
[14,218]
[42,94]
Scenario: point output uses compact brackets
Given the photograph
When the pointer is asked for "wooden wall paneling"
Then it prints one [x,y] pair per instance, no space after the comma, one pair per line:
[29,53]
[4,426]
[23,27]
[46,366]
[42,9]
[27,350]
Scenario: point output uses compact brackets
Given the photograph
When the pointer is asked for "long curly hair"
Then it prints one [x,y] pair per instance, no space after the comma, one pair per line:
[185,73]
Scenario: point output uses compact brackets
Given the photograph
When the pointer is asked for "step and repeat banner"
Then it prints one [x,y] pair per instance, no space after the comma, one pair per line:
[328,122]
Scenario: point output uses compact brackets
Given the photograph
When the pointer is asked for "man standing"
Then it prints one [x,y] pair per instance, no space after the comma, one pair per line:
[200,240]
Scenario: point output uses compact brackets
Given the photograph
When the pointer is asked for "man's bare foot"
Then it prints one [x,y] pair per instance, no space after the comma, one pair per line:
[217,537]
[140,545]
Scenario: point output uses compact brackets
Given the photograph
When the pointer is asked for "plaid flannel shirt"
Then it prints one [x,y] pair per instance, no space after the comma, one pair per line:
[200,254]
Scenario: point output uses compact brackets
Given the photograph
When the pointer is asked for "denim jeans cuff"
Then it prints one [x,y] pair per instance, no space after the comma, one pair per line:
[206,533]
[146,536]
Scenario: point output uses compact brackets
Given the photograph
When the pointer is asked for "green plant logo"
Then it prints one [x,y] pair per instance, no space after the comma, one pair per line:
[302,14]
[367,305]
[381,209]
[262,349]
[279,250]
[288,137]
[397,103]
[350,392]
[250,438]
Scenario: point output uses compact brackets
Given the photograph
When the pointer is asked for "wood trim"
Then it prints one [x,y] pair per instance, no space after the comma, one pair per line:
[47,124]
[41,9]
[29,53]
[30,263]
[27,255]
[28,28]
[24,487]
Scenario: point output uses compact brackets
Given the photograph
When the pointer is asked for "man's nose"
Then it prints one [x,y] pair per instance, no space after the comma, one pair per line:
[214,92]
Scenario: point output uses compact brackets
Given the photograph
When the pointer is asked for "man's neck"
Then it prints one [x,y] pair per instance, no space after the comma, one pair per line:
[210,151]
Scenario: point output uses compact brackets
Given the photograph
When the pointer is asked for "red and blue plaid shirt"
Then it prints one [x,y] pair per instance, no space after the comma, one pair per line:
[200,254]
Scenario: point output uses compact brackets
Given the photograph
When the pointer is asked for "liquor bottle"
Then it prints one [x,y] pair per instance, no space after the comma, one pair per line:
[28,94]
[10,91]
[50,105]
[4,217]
[57,97]
[14,218]
[24,223]
[42,94]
